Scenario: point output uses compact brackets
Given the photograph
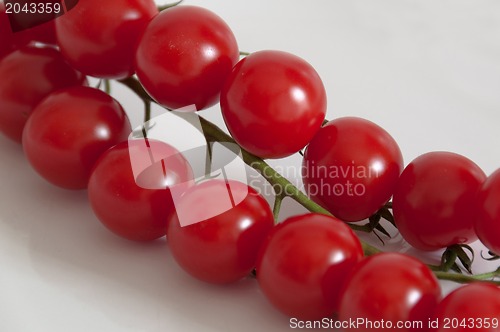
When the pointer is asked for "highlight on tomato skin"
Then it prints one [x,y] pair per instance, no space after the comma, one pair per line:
[487,222]
[227,222]
[434,201]
[390,288]
[351,168]
[304,262]
[30,74]
[69,130]
[120,199]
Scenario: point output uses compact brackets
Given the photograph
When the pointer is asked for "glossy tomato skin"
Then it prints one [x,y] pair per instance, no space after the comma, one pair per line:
[351,168]
[223,248]
[29,75]
[433,202]
[487,223]
[128,208]
[184,57]
[69,130]
[303,263]
[474,307]
[389,287]
[99,38]
[273,103]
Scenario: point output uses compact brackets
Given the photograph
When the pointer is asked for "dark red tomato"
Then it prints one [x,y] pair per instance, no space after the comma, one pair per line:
[43,33]
[474,307]
[119,198]
[26,26]
[27,76]
[69,130]
[434,200]
[184,57]
[7,43]
[303,263]
[214,238]
[273,103]
[488,219]
[351,168]
[99,38]
[10,40]
[390,289]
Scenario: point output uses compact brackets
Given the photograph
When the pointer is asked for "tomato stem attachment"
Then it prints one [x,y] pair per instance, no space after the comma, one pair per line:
[454,254]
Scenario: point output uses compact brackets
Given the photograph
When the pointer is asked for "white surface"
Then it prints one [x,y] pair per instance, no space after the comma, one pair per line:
[427,71]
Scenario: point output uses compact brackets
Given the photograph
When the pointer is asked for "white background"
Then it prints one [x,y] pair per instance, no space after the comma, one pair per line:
[427,71]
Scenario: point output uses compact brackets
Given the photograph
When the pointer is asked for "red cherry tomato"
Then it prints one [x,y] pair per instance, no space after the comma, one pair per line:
[488,220]
[69,130]
[99,38]
[27,76]
[434,200]
[184,57]
[126,207]
[474,307]
[351,167]
[304,262]
[273,103]
[389,289]
[222,248]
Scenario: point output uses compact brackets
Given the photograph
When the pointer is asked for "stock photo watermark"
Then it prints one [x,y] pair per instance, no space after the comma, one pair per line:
[183,131]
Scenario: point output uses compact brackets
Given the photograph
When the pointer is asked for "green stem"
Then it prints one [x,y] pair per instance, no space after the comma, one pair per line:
[278,199]
[169,5]
[147,110]
[107,86]
[465,279]
[242,53]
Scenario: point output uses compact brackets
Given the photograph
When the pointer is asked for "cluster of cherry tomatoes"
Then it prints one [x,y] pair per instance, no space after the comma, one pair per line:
[274,104]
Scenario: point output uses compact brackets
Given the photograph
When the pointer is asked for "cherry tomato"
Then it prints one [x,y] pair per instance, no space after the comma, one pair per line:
[488,221]
[303,263]
[126,207]
[184,57]
[273,103]
[99,38]
[222,248]
[474,307]
[351,168]
[69,130]
[434,200]
[391,288]
[29,75]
